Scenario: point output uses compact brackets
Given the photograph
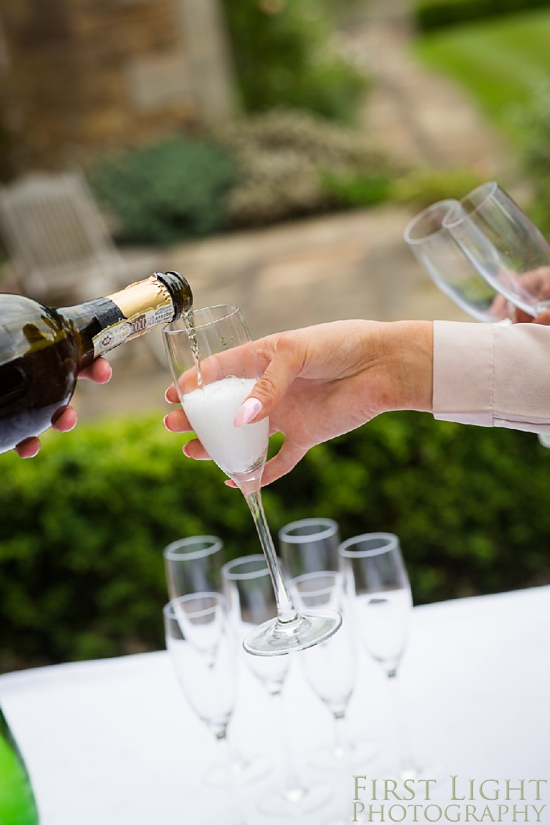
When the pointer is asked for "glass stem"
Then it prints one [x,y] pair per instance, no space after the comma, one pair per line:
[341,738]
[285,609]
[223,745]
[292,787]
[405,765]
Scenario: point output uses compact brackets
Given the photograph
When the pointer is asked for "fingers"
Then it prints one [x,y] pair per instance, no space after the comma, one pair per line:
[543,318]
[99,372]
[65,421]
[28,448]
[285,366]
[286,459]
[194,449]
[171,395]
[177,422]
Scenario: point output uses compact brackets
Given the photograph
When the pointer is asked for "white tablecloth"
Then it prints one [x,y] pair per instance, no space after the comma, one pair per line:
[113,742]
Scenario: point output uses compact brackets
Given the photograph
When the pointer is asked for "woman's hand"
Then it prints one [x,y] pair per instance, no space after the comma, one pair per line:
[99,372]
[322,381]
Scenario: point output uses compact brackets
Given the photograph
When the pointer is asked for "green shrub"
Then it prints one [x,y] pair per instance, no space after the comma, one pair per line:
[357,190]
[167,191]
[535,124]
[284,56]
[83,525]
[433,14]
[284,158]
[426,186]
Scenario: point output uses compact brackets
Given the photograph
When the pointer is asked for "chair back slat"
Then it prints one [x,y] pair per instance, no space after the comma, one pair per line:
[54,232]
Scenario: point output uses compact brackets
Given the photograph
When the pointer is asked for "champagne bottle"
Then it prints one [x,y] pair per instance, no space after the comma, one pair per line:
[17,805]
[42,350]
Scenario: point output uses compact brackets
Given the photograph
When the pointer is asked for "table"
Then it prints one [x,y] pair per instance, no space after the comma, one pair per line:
[114,742]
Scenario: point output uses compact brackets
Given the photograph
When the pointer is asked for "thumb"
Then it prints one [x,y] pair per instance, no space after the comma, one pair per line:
[284,367]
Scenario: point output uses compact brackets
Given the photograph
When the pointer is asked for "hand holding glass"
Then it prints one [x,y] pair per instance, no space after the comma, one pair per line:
[215,367]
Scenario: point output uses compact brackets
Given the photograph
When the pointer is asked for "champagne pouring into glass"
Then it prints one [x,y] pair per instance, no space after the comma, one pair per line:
[214,366]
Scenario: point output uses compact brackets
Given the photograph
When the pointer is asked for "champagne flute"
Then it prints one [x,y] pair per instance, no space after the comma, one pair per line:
[215,367]
[309,548]
[198,641]
[309,545]
[444,261]
[194,565]
[330,669]
[250,599]
[505,247]
[377,583]
[457,243]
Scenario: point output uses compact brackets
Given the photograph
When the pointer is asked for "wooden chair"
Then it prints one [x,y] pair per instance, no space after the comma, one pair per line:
[58,242]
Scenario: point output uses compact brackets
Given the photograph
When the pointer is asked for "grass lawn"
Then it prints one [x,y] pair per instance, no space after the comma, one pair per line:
[502,62]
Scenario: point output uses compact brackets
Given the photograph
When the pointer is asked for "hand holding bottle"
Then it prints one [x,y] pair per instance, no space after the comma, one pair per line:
[99,372]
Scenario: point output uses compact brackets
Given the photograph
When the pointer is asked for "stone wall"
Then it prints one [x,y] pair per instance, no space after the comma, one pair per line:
[86,75]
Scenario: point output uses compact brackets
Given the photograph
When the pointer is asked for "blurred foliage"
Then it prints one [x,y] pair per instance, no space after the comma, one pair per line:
[501,62]
[434,14]
[423,187]
[166,191]
[356,190]
[83,525]
[535,123]
[284,55]
[287,162]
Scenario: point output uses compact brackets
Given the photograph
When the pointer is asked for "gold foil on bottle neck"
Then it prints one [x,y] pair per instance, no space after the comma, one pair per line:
[141,296]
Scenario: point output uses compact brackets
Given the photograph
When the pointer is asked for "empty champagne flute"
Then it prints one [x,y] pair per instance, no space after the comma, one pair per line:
[505,247]
[309,548]
[330,669]
[309,545]
[457,244]
[214,365]
[194,565]
[444,261]
[377,583]
[250,600]
[197,638]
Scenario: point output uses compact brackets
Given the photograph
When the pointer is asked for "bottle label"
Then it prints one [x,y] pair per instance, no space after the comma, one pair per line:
[127,328]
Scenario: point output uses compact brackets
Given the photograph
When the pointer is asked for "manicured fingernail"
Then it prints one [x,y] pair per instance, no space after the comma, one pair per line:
[247,412]
[184,450]
[230,483]
[165,421]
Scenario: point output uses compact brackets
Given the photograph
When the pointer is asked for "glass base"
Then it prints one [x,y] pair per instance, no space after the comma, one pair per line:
[333,758]
[244,771]
[297,802]
[275,638]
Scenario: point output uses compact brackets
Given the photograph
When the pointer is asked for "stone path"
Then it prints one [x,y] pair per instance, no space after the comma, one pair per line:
[346,265]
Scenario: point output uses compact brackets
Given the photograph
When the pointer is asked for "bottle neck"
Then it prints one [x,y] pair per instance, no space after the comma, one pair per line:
[104,323]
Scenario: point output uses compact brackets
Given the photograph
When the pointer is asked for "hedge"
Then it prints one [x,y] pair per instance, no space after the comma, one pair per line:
[434,14]
[83,525]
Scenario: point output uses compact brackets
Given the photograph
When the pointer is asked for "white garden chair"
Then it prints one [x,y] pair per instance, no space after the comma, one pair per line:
[57,240]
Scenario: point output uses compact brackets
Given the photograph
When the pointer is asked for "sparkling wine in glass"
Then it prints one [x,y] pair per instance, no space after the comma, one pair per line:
[214,366]
[378,585]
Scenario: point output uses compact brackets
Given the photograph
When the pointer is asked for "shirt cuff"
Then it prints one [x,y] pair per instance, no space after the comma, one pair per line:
[463,372]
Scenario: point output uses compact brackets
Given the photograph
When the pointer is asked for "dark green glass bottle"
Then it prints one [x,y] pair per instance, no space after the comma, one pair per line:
[17,805]
[42,350]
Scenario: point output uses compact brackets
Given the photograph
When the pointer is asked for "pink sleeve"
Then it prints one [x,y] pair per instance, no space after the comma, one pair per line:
[492,376]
